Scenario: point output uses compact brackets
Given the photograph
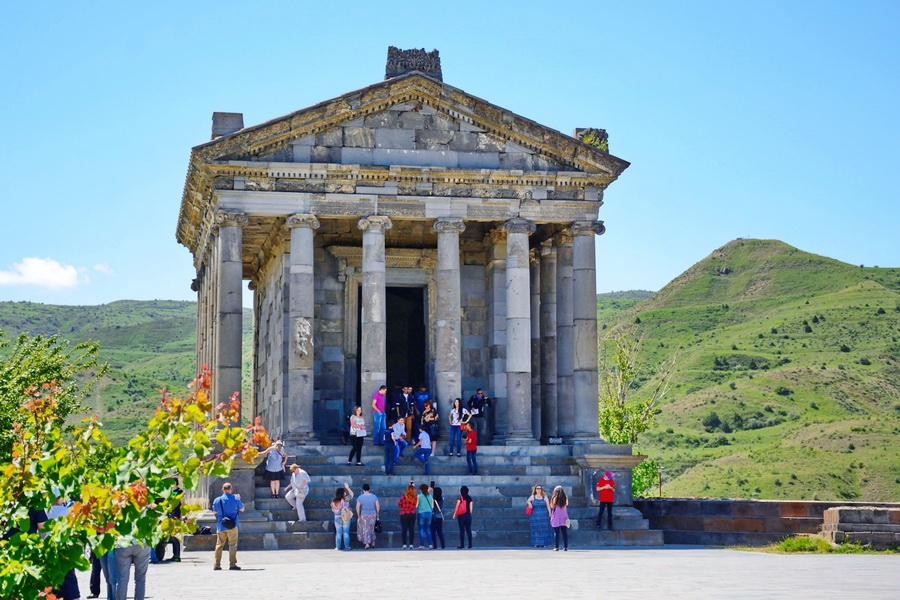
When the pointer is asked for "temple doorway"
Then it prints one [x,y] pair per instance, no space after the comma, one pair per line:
[406,336]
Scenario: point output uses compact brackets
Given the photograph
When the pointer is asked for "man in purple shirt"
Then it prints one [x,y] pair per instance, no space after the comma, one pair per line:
[378,414]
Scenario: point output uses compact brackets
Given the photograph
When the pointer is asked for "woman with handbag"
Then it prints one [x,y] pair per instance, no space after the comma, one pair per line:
[538,510]
[463,515]
[559,517]
[343,514]
[437,518]
[457,416]
[368,509]
[407,505]
[357,435]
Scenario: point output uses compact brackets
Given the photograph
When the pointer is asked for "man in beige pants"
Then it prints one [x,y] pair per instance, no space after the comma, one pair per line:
[227,508]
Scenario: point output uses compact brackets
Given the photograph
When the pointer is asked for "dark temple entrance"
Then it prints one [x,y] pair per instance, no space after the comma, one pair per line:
[406,335]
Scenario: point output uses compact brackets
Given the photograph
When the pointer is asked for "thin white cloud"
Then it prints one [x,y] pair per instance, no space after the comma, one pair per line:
[104,268]
[41,272]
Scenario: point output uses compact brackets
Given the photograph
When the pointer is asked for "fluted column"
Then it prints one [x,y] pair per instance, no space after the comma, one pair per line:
[297,410]
[584,277]
[549,422]
[448,357]
[534,261]
[518,331]
[565,344]
[496,331]
[229,305]
[373,351]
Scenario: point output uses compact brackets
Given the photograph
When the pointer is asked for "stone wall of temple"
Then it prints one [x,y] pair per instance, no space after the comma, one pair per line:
[269,354]
[331,398]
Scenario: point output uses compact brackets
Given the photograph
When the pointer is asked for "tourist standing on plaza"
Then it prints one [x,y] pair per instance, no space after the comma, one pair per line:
[478,405]
[463,515]
[408,504]
[437,518]
[378,414]
[538,509]
[343,515]
[471,448]
[276,459]
[423,450]
[298,490]
[606,490]
[357,435]
[559,517]
[368,509]
[424,514]
[227,507]
[457,416]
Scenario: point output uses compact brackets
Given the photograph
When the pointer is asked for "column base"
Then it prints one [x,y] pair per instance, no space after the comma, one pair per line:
[300,439]
[580,439]
[520,439]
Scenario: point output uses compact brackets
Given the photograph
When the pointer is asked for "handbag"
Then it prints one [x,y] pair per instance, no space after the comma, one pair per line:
[568,523]
[377,526]
[346,513]
[461,508]
[529,509]
[228,523]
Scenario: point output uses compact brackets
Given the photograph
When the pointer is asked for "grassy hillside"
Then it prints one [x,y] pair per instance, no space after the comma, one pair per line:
[788,378]
[148,345]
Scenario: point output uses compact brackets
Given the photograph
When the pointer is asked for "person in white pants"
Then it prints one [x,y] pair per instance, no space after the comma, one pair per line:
[297,490]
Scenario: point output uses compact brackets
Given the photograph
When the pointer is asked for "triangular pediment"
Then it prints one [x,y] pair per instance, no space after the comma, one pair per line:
[411,120]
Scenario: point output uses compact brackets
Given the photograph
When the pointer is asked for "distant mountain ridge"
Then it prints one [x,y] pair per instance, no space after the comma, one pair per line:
[788,376]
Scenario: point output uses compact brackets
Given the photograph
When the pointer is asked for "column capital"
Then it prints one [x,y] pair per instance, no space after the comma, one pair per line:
[496,236]
[229,218]
[587,228]
[534,256]
[375,222]
[302,220]
[519,225]
[548,247]
[562,238]
[448,224]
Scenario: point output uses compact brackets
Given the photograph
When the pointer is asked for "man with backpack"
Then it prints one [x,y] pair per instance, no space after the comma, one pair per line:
[227,508]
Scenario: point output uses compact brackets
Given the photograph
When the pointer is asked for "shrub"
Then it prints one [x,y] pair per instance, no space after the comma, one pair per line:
[711,421]
[803,544]
[783,391]
[845,348]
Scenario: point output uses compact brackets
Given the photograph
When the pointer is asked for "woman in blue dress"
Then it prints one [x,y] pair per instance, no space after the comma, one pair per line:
[539,507]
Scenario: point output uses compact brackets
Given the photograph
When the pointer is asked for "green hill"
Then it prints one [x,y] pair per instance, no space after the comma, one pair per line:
[149,346]
[788,377]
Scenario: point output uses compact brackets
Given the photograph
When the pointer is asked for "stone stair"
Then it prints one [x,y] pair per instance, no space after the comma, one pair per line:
[505,478]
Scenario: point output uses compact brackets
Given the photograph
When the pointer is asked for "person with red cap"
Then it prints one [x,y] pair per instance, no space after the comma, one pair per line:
[606,490]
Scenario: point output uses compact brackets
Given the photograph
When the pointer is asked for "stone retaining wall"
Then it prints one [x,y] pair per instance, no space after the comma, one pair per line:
[875,526]
[737,522]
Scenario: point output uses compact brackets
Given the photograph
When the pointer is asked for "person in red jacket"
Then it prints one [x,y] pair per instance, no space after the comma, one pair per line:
[606,490]
[471,448]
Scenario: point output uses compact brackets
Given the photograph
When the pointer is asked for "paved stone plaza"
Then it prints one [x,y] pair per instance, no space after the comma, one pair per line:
[671,572]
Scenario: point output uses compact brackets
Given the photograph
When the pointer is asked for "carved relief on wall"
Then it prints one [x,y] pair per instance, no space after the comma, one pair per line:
[303,339]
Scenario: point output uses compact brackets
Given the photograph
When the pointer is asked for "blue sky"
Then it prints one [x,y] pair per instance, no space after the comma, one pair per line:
[774,120]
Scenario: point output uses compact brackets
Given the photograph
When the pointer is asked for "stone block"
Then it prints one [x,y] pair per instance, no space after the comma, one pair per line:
[464,126]
[302,153]
[386,119]
[404,139]
[331,338]
[516,160]
[359,137]
[320,154]
[433,140]
[487,143]
[479,160]
[794,509]
[412,120]
[330,137]
[441,122]
[357,156]
[473,342]
[464,141]
[423,158]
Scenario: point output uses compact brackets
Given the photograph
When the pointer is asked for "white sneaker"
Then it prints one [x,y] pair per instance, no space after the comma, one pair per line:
[404,547]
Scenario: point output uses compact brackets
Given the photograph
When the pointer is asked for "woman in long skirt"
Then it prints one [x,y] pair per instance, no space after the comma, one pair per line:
[368,509]
[541,533]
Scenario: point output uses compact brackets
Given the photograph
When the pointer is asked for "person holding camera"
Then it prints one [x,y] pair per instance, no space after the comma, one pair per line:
[227,507]
[343,515]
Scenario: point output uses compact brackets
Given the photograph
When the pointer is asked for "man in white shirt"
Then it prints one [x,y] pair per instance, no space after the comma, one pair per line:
[424,450]
[398,434]
[297,490]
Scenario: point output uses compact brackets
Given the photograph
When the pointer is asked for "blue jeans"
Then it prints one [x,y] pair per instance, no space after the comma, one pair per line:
[424,454]
[472,461]
[399,447]
[455,439]
[341,530]
[110,573]
[424,520]
[389,459]
[379,428]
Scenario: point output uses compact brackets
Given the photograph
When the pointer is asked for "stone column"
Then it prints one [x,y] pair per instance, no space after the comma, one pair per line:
[534,258]
[229,305]
[496,333]
[565,344]
[549,422]
[518,331]
[448,334]
[297,411]
[584,279]
[372,351]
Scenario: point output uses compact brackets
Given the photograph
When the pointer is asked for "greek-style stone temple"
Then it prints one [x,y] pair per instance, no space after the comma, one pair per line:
[407,232]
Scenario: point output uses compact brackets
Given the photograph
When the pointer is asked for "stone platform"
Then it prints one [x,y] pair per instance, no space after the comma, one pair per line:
[504,482]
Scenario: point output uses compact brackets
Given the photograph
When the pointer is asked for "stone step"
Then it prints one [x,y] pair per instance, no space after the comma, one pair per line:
[536,451]
[409,467]
[578,538]
[325,485]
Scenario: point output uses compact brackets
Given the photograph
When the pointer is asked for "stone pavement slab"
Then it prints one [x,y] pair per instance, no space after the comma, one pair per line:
[670,572]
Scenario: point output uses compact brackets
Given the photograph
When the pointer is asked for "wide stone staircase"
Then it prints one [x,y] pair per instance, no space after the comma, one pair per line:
[506,475]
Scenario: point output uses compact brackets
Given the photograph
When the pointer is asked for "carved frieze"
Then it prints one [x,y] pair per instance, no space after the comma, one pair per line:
[401,62]
[405,258]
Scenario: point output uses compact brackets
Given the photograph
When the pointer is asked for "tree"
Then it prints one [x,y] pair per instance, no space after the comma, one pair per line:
[131,497]
[34,361]
[623,417]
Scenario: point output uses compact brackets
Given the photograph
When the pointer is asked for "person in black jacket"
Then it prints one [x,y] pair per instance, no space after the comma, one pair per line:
[478,405]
